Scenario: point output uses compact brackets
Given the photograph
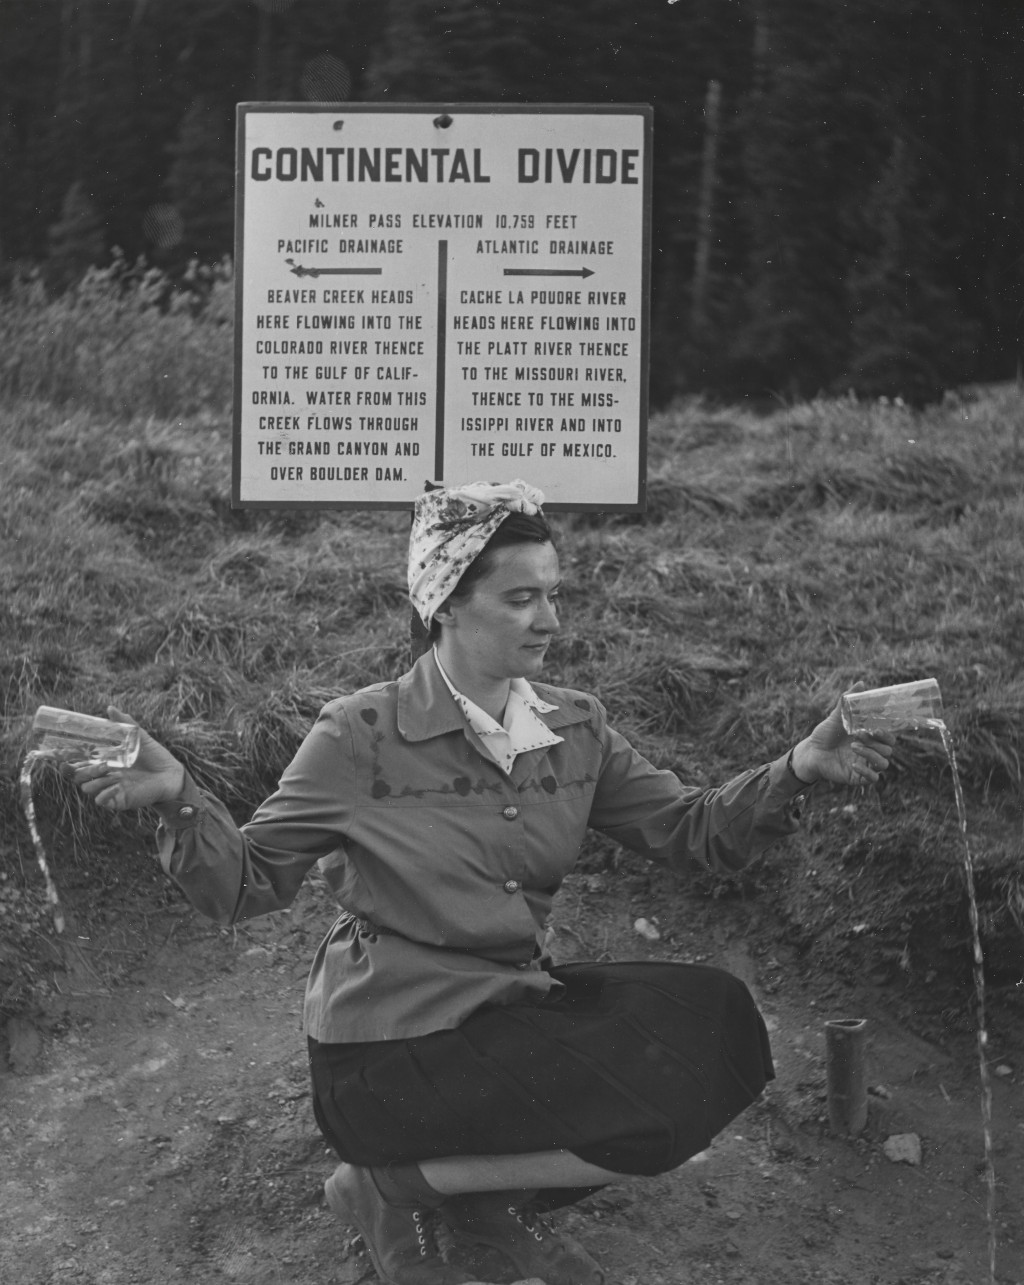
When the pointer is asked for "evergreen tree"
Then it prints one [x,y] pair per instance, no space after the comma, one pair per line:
[699,300]
[116,153]
[29,195]
[798,141]
[200,182]
[909,332]
[459,51]
[76,241]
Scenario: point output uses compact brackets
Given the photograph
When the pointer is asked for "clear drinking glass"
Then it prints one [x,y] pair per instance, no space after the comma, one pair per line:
[892,709]
[76,738]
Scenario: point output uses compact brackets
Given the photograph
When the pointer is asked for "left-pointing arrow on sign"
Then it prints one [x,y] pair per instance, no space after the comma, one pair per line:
[300,271]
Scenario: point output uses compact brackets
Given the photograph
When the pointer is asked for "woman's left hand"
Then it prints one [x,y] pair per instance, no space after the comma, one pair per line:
[830,753]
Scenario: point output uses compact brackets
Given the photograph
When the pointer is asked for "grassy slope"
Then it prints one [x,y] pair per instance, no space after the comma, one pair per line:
[782,558]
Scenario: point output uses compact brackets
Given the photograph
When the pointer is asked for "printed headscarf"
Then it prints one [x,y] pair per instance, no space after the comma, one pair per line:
[450,526]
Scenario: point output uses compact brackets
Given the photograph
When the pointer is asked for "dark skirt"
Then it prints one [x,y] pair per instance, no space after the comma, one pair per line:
[634,1067]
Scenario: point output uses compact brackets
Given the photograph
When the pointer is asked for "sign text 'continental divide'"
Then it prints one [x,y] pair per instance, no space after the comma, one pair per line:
[440,165]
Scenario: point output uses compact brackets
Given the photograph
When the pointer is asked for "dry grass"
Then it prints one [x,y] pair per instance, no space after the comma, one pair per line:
[119,344]
[782,558]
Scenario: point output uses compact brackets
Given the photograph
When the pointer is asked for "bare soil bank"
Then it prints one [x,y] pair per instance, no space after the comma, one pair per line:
[156,1121]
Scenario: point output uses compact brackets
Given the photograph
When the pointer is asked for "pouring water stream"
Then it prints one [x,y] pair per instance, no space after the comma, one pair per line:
[65,736]
[28,804]
[979,994]
[919,705]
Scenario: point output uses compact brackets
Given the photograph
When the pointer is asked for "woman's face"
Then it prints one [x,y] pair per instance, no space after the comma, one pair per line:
[503,628]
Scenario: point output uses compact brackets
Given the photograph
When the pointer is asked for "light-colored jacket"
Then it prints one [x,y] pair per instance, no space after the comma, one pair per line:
[445,865]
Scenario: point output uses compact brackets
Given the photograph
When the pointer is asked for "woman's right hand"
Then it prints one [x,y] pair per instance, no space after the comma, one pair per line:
[156,776]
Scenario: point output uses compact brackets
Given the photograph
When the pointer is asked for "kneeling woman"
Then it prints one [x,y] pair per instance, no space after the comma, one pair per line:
[456,1072]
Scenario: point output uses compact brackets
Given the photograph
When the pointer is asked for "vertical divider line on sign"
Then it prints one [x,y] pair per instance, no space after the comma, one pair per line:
[442,326]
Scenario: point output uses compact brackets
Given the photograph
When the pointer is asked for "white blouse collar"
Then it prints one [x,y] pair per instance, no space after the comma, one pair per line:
[520,731]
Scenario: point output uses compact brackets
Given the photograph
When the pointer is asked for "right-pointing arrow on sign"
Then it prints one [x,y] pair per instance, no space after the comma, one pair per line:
[548,272]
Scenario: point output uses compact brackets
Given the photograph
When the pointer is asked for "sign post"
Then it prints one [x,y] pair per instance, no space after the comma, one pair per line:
[441,293]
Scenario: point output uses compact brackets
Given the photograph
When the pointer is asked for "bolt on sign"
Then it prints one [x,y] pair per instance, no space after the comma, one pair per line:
[447,293]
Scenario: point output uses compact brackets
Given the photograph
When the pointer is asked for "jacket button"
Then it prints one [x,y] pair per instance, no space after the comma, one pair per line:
[511,885]
[510,813]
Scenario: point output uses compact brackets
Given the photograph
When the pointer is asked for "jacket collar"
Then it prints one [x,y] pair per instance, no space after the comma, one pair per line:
[426,707]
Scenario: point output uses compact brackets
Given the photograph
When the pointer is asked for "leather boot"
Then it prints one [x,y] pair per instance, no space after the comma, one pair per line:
[397,1237]
[505,1221]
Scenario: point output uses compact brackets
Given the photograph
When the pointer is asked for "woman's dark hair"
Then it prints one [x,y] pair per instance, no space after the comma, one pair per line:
[518,528]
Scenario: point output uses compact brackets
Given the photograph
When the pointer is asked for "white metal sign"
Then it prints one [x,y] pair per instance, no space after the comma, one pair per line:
[450,294]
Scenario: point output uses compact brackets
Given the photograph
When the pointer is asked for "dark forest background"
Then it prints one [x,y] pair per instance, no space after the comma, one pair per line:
[837,199]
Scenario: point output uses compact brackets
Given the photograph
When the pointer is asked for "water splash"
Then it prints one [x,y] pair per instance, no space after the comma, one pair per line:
[979,994]
[31,760]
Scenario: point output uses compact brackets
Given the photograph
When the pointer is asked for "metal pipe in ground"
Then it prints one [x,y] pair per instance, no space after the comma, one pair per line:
[847,1080]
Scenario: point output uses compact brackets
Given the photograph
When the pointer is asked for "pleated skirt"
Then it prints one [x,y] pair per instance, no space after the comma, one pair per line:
[633,1066]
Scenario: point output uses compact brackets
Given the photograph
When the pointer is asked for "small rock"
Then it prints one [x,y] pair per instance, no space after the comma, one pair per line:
[1004,1070]
[903,1148]
[646,929]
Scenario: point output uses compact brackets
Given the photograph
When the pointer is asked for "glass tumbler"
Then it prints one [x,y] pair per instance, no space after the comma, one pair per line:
[78,738]
[892,709]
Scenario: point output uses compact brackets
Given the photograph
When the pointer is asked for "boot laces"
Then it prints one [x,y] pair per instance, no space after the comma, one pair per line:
[531,1220]
[425,1223]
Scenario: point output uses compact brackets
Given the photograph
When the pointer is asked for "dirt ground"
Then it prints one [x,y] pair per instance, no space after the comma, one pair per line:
[156,1122]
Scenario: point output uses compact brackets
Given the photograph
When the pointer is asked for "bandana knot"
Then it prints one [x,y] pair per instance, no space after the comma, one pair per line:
[450,526]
